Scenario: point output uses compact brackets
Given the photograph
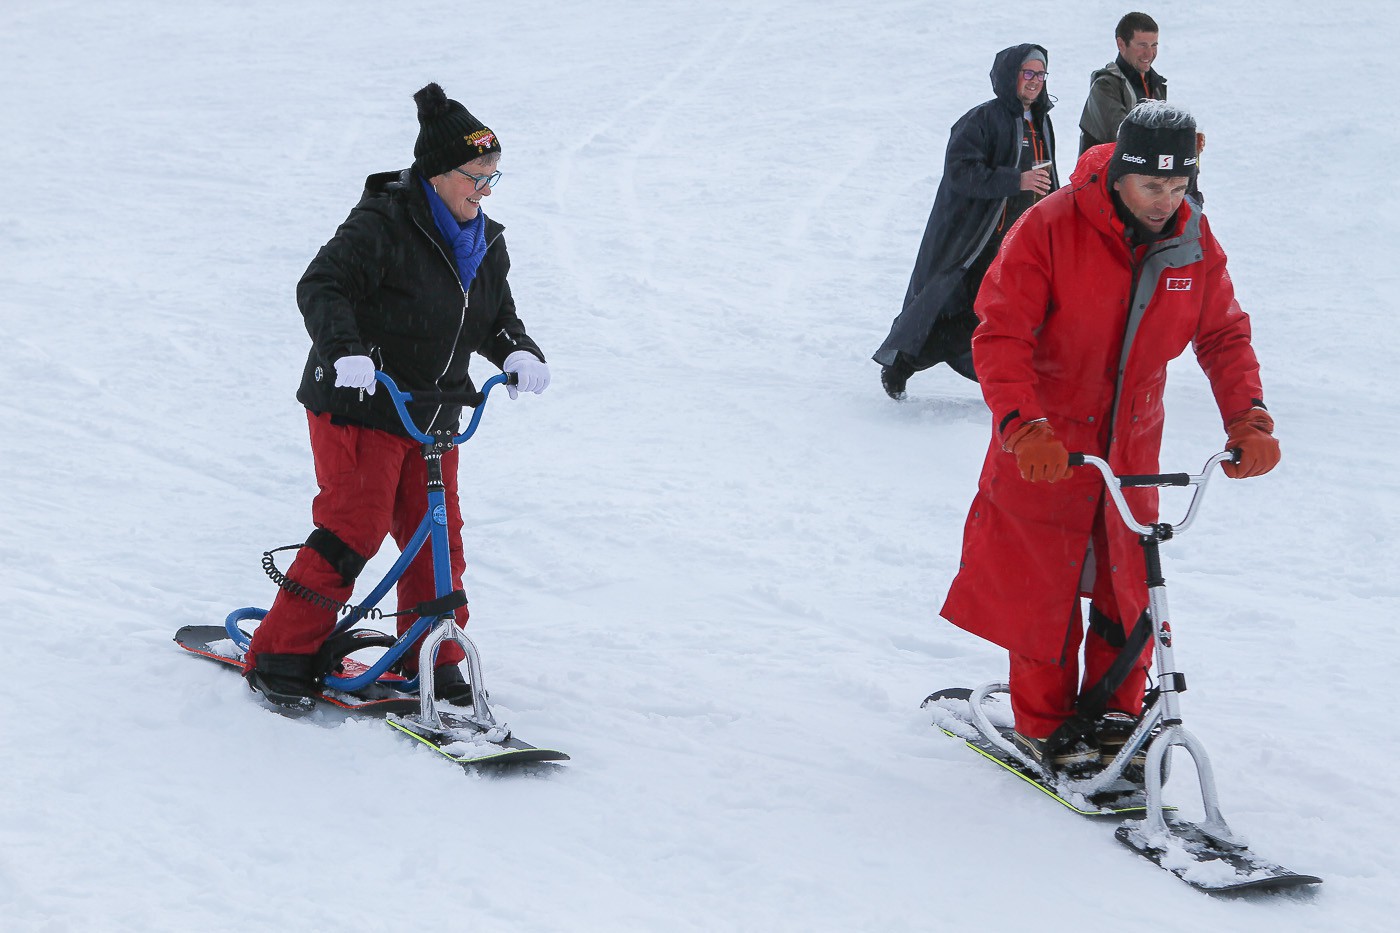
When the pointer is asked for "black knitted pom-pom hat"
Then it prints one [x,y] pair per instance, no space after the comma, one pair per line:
[448,135]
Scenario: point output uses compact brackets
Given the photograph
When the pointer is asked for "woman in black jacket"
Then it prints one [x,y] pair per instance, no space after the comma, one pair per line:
[412,283]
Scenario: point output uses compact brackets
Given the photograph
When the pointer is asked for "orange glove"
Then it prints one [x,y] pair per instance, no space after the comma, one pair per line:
[1039,455]
[1252,432]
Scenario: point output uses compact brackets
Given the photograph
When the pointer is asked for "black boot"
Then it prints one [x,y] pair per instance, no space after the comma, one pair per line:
[451,686]
[289,681]
[895,379]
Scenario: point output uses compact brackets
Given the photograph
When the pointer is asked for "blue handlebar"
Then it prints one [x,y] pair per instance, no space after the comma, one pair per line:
[401,399]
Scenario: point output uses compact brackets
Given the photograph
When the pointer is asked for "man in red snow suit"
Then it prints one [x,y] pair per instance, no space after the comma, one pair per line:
[1096,289]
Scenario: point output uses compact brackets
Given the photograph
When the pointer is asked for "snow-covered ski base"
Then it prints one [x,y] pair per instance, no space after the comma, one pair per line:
[1184,848]
[465,742]
[1193,856]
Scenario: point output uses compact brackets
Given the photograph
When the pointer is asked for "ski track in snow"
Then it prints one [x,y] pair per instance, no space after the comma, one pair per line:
[708,562]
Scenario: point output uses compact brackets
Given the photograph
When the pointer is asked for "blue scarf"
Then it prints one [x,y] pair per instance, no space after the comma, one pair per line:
[468,239]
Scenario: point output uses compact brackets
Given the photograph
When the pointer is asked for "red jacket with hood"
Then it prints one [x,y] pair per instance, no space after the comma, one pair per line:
[1077,326]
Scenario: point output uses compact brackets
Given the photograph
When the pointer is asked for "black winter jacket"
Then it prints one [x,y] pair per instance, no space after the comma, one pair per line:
[386,286]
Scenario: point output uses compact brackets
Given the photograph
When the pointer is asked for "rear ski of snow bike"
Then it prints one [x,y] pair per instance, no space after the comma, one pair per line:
[469,735]
[1207,855]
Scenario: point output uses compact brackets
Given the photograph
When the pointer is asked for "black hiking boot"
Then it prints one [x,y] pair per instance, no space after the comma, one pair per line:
[451,686]
[288,681]
[1075,759]
[895,379]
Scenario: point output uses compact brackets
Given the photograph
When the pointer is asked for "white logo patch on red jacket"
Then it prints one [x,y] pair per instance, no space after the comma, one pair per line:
[1178,285]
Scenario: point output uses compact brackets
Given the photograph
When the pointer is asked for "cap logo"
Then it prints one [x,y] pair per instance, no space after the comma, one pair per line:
[1190,161]
[1132,158]
[1165,162]
[481,139]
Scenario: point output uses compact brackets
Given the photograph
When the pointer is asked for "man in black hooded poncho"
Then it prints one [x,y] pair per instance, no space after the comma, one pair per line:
[1000,160]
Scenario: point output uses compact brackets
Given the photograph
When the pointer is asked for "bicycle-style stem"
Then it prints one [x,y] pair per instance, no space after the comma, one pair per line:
[432,531]
[1171,682]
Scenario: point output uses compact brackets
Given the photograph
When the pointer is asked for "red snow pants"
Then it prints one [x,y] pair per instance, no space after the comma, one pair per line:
[1043,693]
[372,483]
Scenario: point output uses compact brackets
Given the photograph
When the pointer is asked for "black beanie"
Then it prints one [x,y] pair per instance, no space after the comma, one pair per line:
[1155,138]
[448,135]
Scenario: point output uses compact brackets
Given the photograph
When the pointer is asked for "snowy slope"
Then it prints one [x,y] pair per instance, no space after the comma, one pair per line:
[708,561]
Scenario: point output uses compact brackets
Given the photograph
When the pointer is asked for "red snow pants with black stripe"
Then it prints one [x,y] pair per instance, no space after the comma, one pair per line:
[372,483]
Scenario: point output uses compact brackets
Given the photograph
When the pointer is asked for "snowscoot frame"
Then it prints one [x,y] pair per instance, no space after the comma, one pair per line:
[438,628]
[1165,711]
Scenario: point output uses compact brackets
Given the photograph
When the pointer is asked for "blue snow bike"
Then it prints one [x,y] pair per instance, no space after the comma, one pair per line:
[468,735]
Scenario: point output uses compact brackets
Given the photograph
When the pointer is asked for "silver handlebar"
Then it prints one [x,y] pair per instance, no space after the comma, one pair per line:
[1115,485]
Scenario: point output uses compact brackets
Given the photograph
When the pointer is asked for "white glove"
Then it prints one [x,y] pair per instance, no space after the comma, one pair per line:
[533,374]
[355,372]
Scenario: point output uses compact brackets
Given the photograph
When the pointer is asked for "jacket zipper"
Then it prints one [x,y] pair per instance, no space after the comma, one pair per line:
[465,302]
[1137,268]
[462,320]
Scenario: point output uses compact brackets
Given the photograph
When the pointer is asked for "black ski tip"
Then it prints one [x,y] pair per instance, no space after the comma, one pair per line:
[200,635]
[950,693]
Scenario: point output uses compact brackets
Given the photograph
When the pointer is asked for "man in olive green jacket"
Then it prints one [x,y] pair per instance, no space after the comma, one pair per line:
[1123,83]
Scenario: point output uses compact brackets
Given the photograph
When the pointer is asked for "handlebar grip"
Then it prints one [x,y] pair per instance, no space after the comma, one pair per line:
[512,379]
[1076,458]
[1156,479]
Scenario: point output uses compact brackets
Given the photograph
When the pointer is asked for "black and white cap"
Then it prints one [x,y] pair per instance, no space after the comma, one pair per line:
[1155,138]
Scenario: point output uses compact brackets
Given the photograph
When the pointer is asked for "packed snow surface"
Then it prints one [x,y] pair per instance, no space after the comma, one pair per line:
[708,561]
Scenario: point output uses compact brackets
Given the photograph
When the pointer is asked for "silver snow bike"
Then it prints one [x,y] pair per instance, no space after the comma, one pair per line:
[1209,854]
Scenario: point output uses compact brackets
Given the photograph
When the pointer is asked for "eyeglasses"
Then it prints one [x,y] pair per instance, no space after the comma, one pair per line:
[1029,75]
[482,181]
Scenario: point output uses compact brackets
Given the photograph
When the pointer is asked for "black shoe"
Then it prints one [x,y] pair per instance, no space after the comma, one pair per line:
[895,379]
[1075,758]
[1112,731]
[286,680]
[451,686]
